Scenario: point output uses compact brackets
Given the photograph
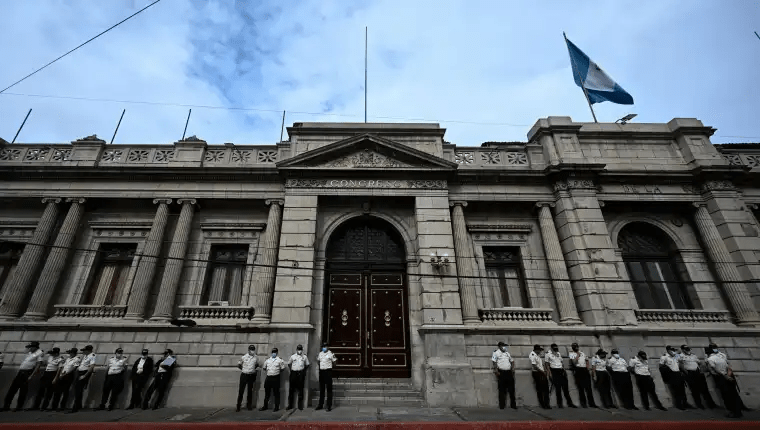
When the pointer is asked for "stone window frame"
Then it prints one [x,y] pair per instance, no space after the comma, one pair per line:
[214,234]
[517,236]
[87,271]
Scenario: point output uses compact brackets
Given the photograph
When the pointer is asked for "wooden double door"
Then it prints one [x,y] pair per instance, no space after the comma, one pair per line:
[367,323]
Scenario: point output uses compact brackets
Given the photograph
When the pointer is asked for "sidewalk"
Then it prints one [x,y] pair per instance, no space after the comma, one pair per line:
[375,416]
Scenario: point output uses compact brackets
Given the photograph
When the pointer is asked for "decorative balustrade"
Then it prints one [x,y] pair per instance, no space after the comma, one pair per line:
[89,311]
[472,157]
[745,157]
[229,313]
[502,315]
[682,316]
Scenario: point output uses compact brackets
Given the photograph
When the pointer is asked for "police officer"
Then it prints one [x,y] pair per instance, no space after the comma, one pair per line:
[690,366]
[724,380]
[163,374]
[559,375]
[621,378]
[325,359]
[298,364]
[141,372]
[540,375]
[602,377]
[580,366]
[29,366]
[504,368]
[65,379]
[114,382]
[669,366]
[84,372]
[640,367]
[273,366]
[45,391]
[714,347]
[247,365]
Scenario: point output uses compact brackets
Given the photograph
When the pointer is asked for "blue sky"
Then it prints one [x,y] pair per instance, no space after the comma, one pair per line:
[485,70]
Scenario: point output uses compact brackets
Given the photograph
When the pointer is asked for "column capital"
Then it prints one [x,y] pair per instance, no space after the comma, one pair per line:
[47,200]
[165,201]
[462,203]
[280,202]
[79,200]
[187,201]
[539,205]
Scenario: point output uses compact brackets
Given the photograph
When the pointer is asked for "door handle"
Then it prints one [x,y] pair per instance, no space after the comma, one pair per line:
[367,335]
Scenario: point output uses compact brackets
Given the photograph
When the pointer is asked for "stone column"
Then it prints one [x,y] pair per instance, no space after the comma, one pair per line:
[563,291]
[173,271]
[51,272]
[270,248]
[736,291]
[138,296]
[464,258]
[18,289]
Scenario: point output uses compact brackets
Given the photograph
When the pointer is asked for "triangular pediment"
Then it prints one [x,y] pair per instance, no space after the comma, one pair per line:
[366,152]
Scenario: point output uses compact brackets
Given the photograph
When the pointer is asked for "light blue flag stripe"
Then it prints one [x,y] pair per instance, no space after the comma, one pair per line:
[599,86]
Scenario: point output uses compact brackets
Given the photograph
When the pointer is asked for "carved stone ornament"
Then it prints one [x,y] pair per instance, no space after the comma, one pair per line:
[364,183]
[574,184]
[226,230]
[365,159]
[718,186]
[123,229]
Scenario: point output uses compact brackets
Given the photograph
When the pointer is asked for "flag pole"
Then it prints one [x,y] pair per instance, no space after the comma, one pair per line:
[583,84]
[365,75]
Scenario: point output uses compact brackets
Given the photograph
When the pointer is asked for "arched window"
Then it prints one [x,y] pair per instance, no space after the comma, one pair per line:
[652,262]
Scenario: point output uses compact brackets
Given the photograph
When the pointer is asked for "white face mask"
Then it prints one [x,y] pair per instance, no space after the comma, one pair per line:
[252,352]
[672,352]
[504,348]
[274,354]
[299,351]
[616,355]
[715,351]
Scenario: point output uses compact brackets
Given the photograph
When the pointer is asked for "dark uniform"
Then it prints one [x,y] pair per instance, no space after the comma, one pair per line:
[644,381]
[671,375]
[622,379]
[298,364]
[164,369]
[691,366]
[63,382]
[45,391]
[32,361]
[248,365]
[325,361]
[114,383]
[82,378]
[559,375]
[141,372]
[504,367]
[540,376]
[273,367]
[602,377]
[580,365]
[724,380]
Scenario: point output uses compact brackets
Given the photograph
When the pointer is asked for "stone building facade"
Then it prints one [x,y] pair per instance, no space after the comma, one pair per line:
[411,256]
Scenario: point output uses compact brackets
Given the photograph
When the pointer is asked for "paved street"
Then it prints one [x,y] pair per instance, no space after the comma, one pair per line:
[369,414]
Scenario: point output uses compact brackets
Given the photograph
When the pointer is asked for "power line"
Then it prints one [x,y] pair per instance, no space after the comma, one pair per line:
[85,43]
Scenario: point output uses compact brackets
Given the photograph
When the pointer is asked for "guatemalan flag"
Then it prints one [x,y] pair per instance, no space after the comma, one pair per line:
[599,86]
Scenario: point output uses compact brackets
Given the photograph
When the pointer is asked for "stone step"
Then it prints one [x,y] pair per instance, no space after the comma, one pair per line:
[373,391]
[409,394]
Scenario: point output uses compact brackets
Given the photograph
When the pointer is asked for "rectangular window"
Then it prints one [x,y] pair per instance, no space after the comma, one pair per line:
[10,254]
[112,270]
[504,286]
[655,285]
[224,279]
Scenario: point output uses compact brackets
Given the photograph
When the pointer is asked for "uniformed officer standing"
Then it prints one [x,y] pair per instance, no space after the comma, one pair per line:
[141,372]
[29,366]
[164,369]
[84,372]
[621,378]
[65,379]
[325,359]
[247,365]
[644,381]
[273,366]
[298,364]
[714,347]
[114,382]
[580,366]
[602,378]
[669,366]
[45,391]
[504,368]
[690,366]
[540,376]
[559,375]
[724,380]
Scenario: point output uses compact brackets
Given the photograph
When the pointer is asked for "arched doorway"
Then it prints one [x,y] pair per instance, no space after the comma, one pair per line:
[366,319]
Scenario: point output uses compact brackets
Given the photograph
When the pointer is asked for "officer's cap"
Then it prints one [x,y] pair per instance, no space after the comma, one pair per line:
[33,344]
[685,347]
[614,350]
[574,344]
[299,347]
[119,350]
[502,344]
[252,347]
[87,348]
[642,353]
[713,345]
[601,351]
[324,344]
[73,351]
[537,347]
[55,350]
[275,350]
[554,345]
[669,348]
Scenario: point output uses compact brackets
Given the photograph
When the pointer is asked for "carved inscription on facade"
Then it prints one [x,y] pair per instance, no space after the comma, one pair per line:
[364,183]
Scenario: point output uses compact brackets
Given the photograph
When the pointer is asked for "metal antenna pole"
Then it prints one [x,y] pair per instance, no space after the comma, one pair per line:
[758,35]
[583,84]
[282,128]
[117,126]
[22,126]
[186,122]
[365,75]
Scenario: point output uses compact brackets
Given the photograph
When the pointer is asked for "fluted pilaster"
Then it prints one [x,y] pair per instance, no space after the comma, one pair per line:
[464,259]
[173,270]
[563,292]
[736,291]
[30,260]
[267,270]
[147,267]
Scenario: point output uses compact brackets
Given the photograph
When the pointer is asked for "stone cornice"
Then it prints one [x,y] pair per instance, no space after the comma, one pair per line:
[512,228]
[120,225]
[258,226]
